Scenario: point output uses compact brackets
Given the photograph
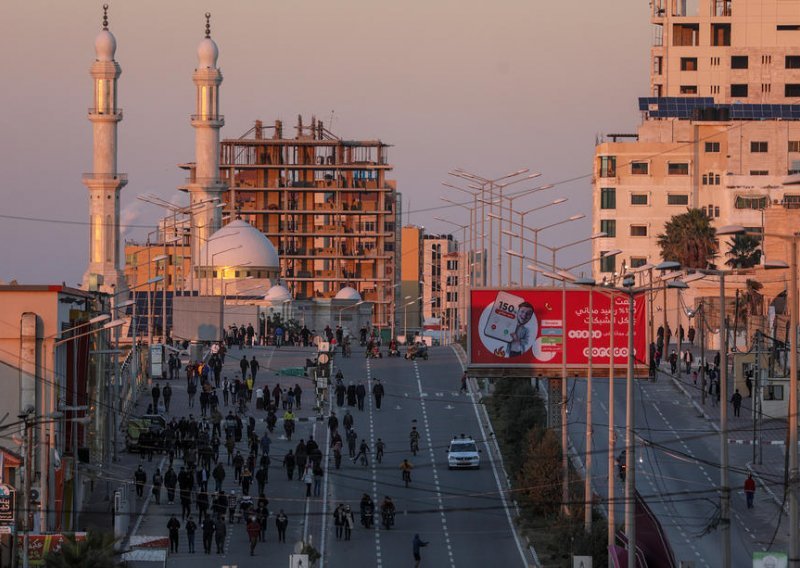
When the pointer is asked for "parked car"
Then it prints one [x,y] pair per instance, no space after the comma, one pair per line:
[153,423]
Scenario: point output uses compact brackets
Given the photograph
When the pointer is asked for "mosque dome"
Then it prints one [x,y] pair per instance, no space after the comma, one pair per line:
[278,294]
[207,53]
[239,244]
[105,46]
[348,293]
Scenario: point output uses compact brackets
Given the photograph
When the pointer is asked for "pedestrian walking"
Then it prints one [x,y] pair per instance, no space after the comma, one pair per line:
[749,490]
[219,535]
[191,529]
[208,533]
[155,392]
[253,533]
[308,479]
[254,367]
[748,382]
[139,479]
[158,481]
[191,390]
[298,396]
[281,522]
[347,421]
[361,394]
[170,481]
[349,522]
[352,438]
[226,386]
[244,366]
[186,503]
[463,382]
[416,545]
[338,521]
[318,475]
[173,526]
[333,422]
[289,463]
[262,476]
[238,464]
[167,394]
[736,399]
[378,392]
[247,480]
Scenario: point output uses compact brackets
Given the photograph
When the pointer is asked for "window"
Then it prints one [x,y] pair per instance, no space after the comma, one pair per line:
[739,62]
[792,90]
[714,61]
[452,297]
[791,201]
[766,60]
[686,34]
[608,166]
[639,199]
[759,147]
[711,179]
[607,263]
[658,64]
[794,145]
[452,280]
[608,198]
[720,35]
[759,172]
[788,27]
[712,147]
[766,88]
[609,227]
[677,199]
[714,89]
[688,89]
[452,265]
[744,202]
[637,261]
[688,64]
[739,90]
[638,230]
[640,168]
[773,392]
[388,246]
[793,61]
[678,169]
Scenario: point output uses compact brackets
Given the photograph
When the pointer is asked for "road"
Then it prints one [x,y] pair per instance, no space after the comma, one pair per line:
[678,470]
[461,514]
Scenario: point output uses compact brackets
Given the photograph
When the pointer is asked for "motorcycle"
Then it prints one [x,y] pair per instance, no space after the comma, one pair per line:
[388,518]
[367,517]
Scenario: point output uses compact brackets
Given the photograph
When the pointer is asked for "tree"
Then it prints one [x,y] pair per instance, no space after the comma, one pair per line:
[96,551]
[690,239]
[744,251]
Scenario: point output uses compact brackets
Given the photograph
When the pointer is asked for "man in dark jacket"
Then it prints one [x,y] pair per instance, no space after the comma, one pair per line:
[416,545]
[173,526]
[378,392]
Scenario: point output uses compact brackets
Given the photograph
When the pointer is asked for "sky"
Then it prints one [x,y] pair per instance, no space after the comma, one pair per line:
[491,87]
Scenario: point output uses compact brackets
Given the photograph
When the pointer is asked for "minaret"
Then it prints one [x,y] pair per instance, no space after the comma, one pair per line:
[205,187]
[104,183]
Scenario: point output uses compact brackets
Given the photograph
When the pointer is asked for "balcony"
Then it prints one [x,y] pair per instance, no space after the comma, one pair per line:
[208,119]
[94,112]
[121,179]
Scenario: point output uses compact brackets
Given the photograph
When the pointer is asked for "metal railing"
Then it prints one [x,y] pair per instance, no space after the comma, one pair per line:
[105,177]
[102,112]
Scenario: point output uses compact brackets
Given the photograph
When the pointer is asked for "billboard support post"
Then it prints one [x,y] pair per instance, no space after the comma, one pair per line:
[587,519]
[564,394]
[612,438]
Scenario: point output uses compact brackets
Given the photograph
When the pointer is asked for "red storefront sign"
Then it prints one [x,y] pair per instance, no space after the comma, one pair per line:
[39,545]
[531,328]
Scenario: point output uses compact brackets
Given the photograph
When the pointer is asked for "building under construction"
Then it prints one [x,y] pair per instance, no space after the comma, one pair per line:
[325,204]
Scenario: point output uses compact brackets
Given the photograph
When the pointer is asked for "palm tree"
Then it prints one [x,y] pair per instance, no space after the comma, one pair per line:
[744,251]
[690,239]
[95,551]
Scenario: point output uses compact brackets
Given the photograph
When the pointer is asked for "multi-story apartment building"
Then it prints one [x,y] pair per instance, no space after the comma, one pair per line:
[721,129]
[325,204]
[411,278]
[435,249]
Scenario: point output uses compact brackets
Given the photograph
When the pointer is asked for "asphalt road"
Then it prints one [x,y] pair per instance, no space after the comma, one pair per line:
[460,513]
[678,473]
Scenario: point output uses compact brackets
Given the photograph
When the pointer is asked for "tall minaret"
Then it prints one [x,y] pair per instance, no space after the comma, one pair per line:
[206,186]
[104,183]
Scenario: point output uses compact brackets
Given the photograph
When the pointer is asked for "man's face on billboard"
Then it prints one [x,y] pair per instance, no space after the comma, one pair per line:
[524,314]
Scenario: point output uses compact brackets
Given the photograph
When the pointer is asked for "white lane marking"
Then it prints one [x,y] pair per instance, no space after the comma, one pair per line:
[324,528]
[433,468]
[374,468]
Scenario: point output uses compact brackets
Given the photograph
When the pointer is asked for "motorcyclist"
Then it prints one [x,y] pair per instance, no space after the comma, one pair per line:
[387,511]
[411,352]
[413,438]
[405,468]
[367,510]
[393,348]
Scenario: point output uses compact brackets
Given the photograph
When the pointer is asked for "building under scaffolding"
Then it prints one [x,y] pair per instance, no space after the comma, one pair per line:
[325,204]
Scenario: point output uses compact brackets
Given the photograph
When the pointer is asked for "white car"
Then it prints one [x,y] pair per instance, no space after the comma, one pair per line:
[463,453]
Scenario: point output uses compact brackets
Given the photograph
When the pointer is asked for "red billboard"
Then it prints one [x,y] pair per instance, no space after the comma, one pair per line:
[518,328]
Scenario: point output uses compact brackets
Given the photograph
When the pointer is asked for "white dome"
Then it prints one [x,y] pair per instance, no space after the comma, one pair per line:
[207,53]
[278,293]
[239,244]
[348,293]
[105,46]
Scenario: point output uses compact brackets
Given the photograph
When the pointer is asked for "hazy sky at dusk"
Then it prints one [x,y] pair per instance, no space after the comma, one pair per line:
[491,87]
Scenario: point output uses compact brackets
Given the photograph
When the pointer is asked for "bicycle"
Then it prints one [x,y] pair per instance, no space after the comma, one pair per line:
[414,446]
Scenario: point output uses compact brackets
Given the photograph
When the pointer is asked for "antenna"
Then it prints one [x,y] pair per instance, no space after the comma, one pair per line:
[330,121]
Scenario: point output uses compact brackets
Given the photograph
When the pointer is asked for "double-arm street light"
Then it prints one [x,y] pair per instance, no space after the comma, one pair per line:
[348,308]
